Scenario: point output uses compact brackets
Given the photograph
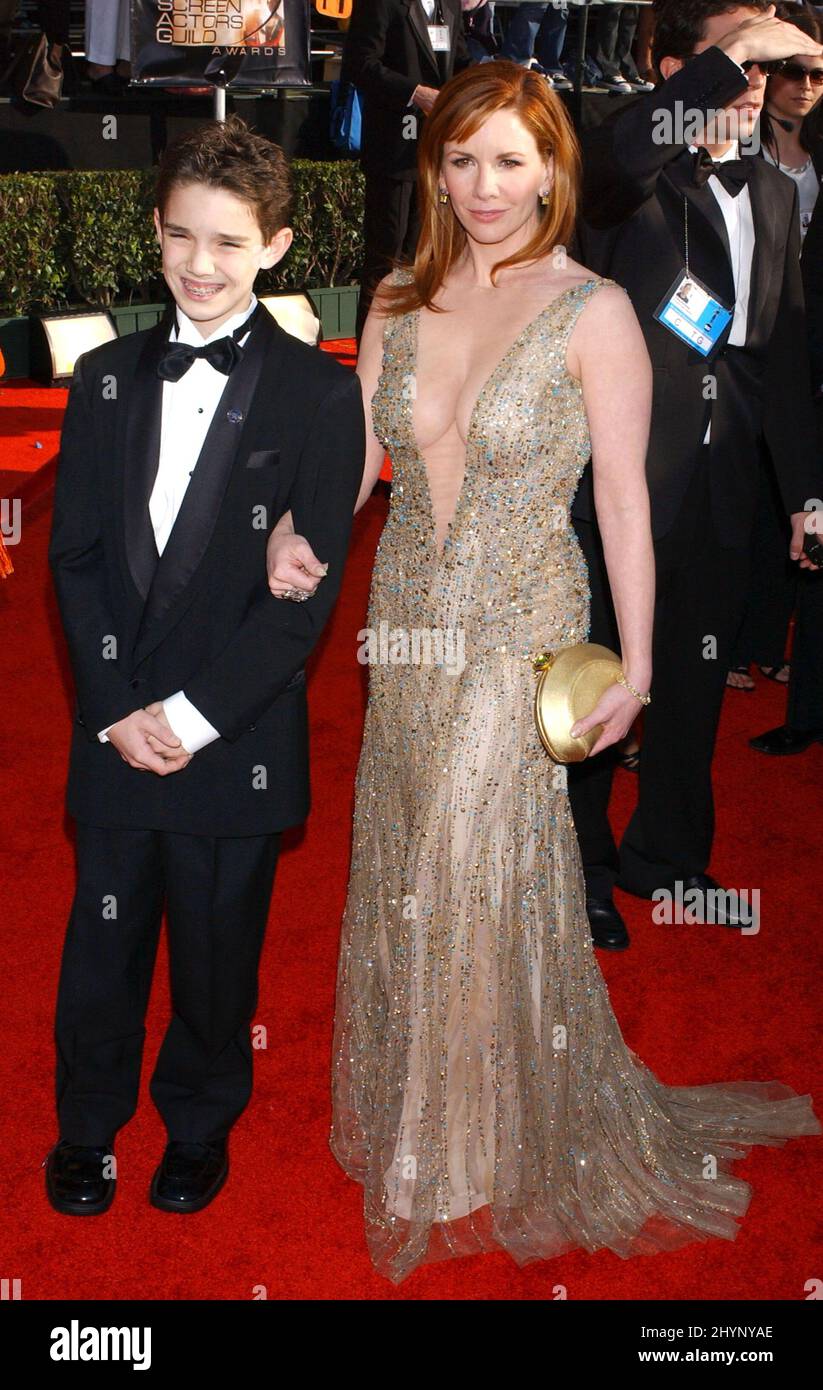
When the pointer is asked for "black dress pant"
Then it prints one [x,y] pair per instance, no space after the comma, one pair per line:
[700,597]
[216,892]
[391,227]
[772,595]
[805,709]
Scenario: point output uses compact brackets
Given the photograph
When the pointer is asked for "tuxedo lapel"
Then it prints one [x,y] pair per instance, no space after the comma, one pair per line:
[764,213]
[139,453]
[417,18]
[710,257]
[173,583]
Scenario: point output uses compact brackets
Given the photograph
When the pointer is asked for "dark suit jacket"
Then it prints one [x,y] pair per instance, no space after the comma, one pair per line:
[632,230]
[811,265]
[288,432]
[387,54]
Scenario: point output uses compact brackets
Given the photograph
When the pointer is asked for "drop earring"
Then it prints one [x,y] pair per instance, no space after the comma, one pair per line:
[444,195]
[544,198]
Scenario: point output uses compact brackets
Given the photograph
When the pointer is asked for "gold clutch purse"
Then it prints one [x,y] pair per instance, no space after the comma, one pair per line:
[570,684]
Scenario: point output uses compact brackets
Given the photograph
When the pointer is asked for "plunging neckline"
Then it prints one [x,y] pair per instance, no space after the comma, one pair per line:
[486,385]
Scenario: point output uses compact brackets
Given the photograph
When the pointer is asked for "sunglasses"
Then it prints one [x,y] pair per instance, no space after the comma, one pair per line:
[769,68]
[795,72]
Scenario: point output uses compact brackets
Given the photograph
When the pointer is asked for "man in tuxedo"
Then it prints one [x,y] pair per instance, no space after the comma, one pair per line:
[181,447]
[398,53]
[804,710]
[665,193]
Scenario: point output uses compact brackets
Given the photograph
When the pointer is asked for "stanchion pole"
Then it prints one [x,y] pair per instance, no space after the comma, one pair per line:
[582,39]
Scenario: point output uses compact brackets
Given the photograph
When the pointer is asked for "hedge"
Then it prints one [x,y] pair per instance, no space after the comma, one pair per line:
[74,237]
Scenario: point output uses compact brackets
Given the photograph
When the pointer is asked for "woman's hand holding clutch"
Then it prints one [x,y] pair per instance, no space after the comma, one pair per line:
[616,710]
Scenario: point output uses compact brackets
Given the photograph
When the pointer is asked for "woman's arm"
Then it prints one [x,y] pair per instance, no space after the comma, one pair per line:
[607,353]
[369,363]
[290,561]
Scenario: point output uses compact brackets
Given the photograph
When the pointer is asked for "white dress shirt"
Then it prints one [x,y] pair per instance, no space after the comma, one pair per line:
[739,220]
[188,407]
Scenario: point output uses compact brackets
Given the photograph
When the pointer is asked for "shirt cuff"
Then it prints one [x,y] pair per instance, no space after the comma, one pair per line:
[104,734]
[193,730]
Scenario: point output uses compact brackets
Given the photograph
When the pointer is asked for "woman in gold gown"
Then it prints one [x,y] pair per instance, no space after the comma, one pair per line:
[482,1091]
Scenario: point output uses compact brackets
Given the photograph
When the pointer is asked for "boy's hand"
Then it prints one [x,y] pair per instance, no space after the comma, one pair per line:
[170,747]
[131,736]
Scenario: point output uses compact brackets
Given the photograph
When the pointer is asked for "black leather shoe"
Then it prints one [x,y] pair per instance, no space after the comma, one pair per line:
[717,906]
[190,1175]
[784,740]
[608,928]
[75,1179]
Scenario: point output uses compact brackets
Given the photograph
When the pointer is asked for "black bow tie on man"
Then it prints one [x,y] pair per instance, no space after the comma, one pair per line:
[732,173]
[223,353]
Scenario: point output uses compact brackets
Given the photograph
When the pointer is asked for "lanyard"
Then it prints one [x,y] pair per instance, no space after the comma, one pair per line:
[738,260]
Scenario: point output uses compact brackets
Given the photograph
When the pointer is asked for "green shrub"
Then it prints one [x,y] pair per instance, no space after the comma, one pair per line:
[33,269]
[112,251]
[74,237]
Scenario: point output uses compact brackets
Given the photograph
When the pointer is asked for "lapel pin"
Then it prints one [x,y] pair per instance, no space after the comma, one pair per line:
[235,416]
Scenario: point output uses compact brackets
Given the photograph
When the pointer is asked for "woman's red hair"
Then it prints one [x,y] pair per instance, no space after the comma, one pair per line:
[464,103]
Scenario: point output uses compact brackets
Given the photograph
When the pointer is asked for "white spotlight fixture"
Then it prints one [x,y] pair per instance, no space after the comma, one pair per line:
[64,337]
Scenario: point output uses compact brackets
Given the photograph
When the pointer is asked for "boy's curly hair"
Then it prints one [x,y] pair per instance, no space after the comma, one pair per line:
[231,156]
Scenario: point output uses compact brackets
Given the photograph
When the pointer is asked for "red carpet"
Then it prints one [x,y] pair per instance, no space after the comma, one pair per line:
[698,1004]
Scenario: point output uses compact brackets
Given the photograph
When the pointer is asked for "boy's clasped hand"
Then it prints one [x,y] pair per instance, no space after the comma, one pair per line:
[146,741]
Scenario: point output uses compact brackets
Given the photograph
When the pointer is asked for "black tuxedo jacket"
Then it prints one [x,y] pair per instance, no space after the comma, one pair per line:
[387,54]
[632,229]
[811,264]
[288,432]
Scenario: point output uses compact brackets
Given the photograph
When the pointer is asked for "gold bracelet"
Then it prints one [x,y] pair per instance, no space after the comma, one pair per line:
[644,699]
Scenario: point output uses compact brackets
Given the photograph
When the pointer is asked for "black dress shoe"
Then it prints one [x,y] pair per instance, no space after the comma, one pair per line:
[784,740]
[190,1175]
[716,906]
[76,1183]
[608,928]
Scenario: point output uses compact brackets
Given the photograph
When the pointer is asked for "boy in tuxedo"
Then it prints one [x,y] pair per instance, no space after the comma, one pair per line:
[181,446]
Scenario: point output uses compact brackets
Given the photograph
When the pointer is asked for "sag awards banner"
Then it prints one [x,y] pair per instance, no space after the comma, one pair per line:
[237,43]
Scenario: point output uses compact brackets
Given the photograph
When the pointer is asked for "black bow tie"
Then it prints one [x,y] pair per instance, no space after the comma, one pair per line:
[732,173]
[223,353]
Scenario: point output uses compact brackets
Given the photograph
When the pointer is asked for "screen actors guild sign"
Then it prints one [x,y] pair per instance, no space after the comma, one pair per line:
[234,43]
[221,23]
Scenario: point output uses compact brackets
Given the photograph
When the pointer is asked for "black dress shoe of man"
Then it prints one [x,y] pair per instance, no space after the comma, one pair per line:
[608,928]
[79,1180]
[714,905]
[785,740]
[189,1175]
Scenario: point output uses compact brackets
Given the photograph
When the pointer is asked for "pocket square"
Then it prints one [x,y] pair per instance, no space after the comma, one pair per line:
[263,458]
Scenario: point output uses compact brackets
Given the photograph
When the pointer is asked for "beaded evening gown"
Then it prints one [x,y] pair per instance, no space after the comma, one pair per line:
[482,1091]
